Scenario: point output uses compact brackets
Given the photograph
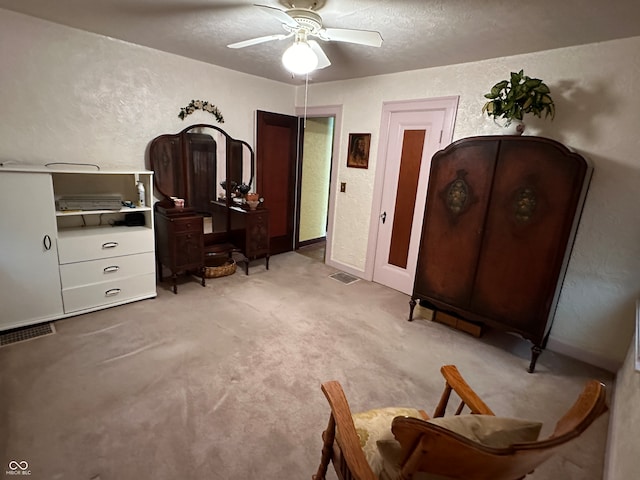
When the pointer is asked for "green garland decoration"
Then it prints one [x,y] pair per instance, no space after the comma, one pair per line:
[201,105]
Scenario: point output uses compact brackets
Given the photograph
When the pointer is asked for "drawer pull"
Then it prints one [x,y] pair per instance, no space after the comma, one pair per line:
[112,292]
[110,245]
[111,269]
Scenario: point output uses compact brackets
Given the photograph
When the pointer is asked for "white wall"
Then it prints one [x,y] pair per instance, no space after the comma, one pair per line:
[597,114]
[623,448]
[71,96]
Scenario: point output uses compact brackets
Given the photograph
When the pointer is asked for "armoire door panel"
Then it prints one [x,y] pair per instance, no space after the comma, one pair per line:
[459,188]
[533,194]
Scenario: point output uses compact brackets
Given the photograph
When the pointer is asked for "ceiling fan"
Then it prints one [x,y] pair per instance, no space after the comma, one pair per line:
[306,55]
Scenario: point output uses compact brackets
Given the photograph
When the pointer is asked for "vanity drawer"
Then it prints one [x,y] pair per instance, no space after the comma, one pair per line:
[112,292]
[106,269]
[114,242]
[188,224]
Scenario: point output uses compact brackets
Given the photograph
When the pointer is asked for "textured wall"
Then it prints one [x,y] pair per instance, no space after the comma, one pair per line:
[72,96]
[316,169]
[595,115]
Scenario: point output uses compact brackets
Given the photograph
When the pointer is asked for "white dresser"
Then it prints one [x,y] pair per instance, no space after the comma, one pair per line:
[57,261]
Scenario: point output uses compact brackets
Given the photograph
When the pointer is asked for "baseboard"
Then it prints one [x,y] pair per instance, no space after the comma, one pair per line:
[584,356]
[313,241]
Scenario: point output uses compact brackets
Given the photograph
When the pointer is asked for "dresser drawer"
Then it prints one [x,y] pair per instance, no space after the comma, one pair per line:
[112,292]
[106,269]
[189,224]
[78,246]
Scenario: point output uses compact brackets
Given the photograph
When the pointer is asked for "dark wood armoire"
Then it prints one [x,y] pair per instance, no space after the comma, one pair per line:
[499,224]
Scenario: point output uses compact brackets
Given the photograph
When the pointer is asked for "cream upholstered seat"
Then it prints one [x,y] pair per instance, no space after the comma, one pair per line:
[374,427]
[403,443]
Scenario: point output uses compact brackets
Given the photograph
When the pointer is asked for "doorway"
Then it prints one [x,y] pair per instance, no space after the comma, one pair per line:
[314,177]
[295,173]
[317,168]
[411,133]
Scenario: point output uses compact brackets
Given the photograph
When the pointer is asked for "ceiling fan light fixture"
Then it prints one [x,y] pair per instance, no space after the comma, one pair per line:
[299,58]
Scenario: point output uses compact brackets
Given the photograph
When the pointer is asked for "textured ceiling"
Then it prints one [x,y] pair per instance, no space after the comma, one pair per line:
[417,33]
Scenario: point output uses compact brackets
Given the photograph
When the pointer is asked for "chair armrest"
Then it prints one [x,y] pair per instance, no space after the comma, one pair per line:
[468,397]
[347,438]
[588,407]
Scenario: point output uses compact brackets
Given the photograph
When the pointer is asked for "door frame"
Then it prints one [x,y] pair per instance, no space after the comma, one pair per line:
[450,105]
[334,111]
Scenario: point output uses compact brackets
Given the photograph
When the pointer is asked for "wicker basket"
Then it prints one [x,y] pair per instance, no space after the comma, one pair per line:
[228,267]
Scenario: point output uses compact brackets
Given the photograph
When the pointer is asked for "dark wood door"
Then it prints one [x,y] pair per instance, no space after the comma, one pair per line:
[535,193]
[278,138]
[457,199]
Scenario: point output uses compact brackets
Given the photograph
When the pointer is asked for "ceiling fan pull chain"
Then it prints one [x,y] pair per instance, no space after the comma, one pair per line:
[306,91]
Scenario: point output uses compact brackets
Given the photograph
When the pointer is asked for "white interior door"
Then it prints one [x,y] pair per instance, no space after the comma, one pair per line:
[413,134]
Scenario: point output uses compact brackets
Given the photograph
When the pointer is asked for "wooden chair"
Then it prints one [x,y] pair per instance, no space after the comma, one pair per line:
[426,447]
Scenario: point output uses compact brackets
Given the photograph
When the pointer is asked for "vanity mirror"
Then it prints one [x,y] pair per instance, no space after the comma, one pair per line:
[201,164]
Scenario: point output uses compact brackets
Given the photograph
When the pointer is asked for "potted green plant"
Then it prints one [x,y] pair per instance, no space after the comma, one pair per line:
[512,99]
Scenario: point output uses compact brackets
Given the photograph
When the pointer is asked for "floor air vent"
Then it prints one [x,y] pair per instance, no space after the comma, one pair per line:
[26,333]
[344,278]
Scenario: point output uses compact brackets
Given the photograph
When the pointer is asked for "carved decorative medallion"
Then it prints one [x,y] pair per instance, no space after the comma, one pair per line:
[458,194]
[525,204]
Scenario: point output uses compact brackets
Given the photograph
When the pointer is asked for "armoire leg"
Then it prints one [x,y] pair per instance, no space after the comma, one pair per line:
[412,305]
[174,279]
[536,350]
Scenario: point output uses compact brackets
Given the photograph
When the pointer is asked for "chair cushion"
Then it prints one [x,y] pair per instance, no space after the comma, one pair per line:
[497,432]
[375,425]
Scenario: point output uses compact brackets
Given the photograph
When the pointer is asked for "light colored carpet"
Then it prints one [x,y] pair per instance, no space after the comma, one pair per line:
[223,382]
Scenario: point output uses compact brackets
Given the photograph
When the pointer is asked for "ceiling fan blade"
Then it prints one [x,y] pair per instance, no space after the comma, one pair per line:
[279,14]
[323,60]
[361,37]
[256,41]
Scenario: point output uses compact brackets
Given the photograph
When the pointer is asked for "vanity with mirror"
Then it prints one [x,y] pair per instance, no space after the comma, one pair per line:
[201,176]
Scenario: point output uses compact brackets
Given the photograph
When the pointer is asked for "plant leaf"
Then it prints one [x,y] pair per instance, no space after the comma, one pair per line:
[495,90]
[532,83]
[542,88]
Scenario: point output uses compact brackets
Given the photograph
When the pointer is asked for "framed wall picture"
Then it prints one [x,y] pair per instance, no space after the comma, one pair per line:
[358,155]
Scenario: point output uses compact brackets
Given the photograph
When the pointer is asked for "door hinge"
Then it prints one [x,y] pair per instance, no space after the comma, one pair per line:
[440,141]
